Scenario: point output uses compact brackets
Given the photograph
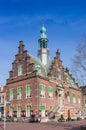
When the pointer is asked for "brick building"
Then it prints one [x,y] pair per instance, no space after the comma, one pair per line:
[83,88]
[40,85]
[2,99]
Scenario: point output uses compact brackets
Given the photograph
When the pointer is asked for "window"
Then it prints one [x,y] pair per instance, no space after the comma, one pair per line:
[19,70]
[51,108]
[79,99]
[59,74]
[38,68]
[28,91]
[19,109]
[11,94]
[28,108]
[2,99]
[68,96]
[42,108]
[11,111]
[85,102]
[50,92]
[19,93]
[42,91]
[74,98]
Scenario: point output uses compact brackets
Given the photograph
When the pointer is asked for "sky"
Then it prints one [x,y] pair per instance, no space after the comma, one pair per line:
[65,22]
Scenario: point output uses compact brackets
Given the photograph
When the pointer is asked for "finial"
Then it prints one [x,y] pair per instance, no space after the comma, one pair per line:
[43,29]
[43,32]
[58,53]
[21,42]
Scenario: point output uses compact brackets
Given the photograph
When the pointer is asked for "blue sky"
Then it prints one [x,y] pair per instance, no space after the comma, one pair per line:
[65,21]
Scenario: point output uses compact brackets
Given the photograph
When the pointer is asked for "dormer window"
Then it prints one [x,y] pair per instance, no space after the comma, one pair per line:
[20,70]
[59,74]
[38,68]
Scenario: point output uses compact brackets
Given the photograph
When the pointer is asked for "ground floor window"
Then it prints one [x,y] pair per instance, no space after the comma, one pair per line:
[42,108]
[11,111]
[51,108]
[19,109]
[28,109]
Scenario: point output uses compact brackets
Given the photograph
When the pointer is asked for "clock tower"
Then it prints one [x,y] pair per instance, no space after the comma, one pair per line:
[43,52]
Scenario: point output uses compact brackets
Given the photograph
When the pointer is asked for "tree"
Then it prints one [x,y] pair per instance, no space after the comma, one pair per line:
[79,63]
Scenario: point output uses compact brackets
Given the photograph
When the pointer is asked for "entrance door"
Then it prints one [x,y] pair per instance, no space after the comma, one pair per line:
[69,114]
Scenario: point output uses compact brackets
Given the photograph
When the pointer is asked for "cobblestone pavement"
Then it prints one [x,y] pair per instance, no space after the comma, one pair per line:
[74,125]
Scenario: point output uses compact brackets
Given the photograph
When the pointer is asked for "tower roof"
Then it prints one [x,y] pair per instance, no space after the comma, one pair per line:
[43,32]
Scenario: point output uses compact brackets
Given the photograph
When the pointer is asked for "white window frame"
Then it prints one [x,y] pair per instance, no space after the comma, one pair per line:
[11,111]
[19,94]
[79,100]
[28,111]
[50,93]
[19,111]
[20,70]
[42,92]
[74,99]
[68,98]
[59,74]
[28,93]
[11,95]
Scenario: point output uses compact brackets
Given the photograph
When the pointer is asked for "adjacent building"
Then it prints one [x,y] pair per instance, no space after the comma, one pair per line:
[42,86]
[83,88]
[2,99]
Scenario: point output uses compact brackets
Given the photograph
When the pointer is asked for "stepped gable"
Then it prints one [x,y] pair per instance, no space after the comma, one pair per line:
[54,66]
[31,66]
[70,80]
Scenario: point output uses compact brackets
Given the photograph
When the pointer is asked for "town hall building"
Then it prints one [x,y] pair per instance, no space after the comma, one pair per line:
[42,86]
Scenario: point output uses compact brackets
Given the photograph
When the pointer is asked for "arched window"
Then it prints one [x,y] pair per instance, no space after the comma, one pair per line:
[59,74]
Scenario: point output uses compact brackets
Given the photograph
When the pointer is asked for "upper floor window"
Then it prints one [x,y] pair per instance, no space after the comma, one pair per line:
[79,99]
[19,93]
[68,96]
[42,91]
[50,92]
[74,98]
[28,91]
[59,74]
[20,70]
[11,94]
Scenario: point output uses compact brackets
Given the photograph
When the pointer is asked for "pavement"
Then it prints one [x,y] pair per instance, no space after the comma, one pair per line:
[71,125]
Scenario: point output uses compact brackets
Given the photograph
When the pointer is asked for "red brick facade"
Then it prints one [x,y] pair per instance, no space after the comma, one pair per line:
[56,91]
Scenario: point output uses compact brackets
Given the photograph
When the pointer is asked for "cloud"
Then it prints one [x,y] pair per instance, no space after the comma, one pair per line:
[26,20]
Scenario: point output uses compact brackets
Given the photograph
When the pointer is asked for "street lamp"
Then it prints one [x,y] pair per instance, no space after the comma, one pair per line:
[5,108]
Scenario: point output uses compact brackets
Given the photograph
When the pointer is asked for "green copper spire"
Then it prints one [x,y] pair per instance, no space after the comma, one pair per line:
[43,32]
[43,38]
[43,52]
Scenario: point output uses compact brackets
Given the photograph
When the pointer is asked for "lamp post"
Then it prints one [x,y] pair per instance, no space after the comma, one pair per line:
[5,108]
[5,112]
